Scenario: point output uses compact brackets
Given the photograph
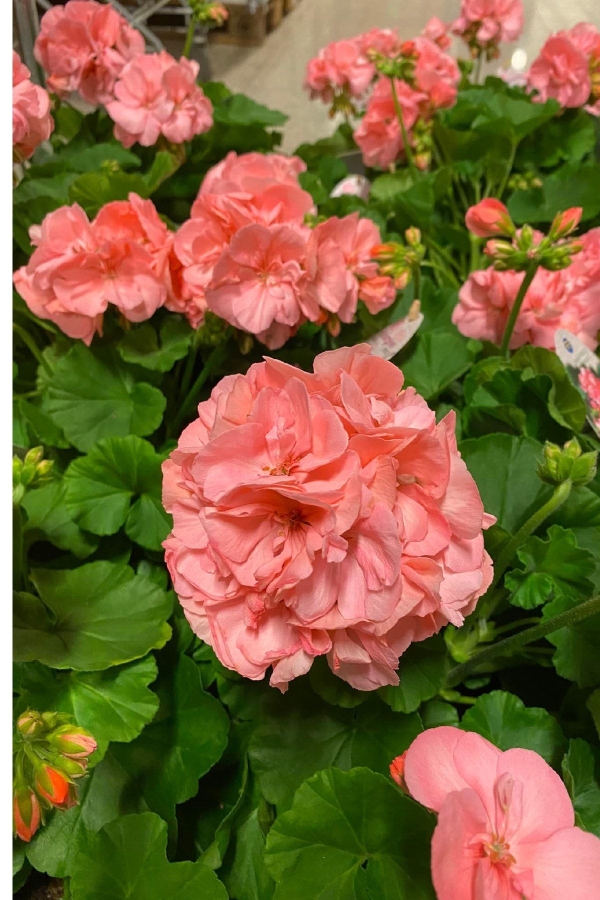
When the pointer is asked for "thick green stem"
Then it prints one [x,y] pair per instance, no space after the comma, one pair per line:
[32,347]
[17,547]
[475,252]
[509,166]
[514,313]
[561,493]
[417,281]
[407,147]
[477,70]
[189,38]
[512,644]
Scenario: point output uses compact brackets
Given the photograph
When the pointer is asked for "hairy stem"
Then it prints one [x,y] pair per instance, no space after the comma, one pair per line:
[407,147]
[509,645]
[514,313]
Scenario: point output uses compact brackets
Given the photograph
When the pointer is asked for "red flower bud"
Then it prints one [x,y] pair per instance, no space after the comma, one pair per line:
[52,784]
[397,770]
[489,218]
[26,813]
[565,222]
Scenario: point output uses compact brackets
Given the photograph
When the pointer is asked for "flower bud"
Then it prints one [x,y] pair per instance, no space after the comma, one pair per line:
[26,813]
[34,456]
[52,785]
[489,218]
[397,771]
[30,724]
[74,743]
[44,468]
[413,236]
[567,464]
[565,223]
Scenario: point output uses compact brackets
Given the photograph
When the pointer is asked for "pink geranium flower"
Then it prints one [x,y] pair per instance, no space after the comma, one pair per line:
[486,23]
[561,72]
[156,95]
[437,31]
[123,258]
[83,46]
[32,121]
[590,385]
[379,135]
[505,821]
[321,513]
[340,66]
[489,218]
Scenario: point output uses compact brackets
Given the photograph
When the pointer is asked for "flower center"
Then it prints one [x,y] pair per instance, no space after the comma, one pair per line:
[497,850]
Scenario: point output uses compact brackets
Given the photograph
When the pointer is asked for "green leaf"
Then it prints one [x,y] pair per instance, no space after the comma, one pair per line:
[580,769]
[119,483]
[593,704]
[565,403]
[576,657]
[331,688]
[298,735]
[93,190]
[505,721]
[54,847]
[422,672]
[90,618]
[126,860]
[84,159]
[41,425]
[571,185]
[437,712]
[553,569]
[48,517]
[163,166]
[184,740]
[439,358]
[504,468]
[92,396]
[241,110]
[143,347]
[248,878]
[351,835]
[114,705]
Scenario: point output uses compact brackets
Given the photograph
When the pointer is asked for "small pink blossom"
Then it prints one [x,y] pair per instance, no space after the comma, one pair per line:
[83,47]
[340,66]
[561,72]
[379,135]
[156,95]
[486,23]
[505,821]
[294,535]
[437,31]
[32,121]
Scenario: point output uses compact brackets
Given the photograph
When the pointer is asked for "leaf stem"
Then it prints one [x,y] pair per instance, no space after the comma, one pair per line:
[529,276]
[212,361]
[407,147]
[509,645]
[189,38]
[32,347]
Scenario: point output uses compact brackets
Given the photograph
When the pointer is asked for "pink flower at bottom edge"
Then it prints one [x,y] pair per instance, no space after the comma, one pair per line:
[505,821]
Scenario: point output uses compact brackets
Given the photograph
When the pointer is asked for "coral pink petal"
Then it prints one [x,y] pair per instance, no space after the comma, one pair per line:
[566,866]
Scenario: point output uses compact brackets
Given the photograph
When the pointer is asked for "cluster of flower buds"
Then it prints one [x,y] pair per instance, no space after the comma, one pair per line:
[568,463]
[209,14]
[524,181]
[401,66]
[30,472]
[514,249]
[400,261]
[422,143]
[50,753]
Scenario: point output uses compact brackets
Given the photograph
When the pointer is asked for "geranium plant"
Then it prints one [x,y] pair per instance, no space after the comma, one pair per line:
[305,504]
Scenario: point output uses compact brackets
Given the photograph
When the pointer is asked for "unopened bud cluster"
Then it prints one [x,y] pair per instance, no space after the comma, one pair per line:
[516,250]
[212,15]
[30,472]
[568,463]
[400,261]
[50,753]
[401,66]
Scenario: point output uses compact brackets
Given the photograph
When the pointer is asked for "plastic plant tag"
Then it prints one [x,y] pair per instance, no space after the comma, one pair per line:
[583,367]
[391,340]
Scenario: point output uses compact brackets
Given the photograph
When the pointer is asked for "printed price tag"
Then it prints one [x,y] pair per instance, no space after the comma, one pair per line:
[583,367]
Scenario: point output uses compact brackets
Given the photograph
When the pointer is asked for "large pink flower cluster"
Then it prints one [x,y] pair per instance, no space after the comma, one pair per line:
[248,257]
[123,257]
[569,298]
[506,826]
[322,513]
[153,95]
[83,47]
[32,121]
[485,23]
[568,68]
[433,86]
[346,66]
